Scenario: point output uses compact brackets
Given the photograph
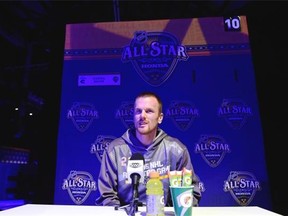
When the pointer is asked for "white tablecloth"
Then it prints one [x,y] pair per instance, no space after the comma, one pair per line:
[80,210]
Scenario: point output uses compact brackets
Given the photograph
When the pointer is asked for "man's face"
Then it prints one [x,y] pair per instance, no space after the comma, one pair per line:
[146,115]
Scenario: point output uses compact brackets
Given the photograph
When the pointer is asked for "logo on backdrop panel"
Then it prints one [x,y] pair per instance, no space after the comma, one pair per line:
[212,148]
[154,55]
[82,115]
[235,112]
[125,113]
[100,144]
[79,185]
[242,186]
[182,113]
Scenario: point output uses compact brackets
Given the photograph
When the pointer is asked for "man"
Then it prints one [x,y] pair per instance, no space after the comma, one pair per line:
[161,152]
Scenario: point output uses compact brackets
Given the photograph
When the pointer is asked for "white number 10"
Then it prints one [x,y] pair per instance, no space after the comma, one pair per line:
[232,23]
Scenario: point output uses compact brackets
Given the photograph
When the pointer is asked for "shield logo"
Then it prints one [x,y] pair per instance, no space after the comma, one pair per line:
[154,55]
[235,112]
[212,148]
[82,115]
[243,186]
[79,185]
[182,113]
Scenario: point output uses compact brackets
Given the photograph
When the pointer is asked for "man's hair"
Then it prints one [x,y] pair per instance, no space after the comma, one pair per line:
[151,94]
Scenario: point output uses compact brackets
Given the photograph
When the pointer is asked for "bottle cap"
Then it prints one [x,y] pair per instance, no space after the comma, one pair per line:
[154,174]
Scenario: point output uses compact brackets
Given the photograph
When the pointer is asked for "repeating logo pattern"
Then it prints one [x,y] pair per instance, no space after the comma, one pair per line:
[79,185]
[242,186]
[154,55]
[212,149]
[82,115]
[125,114]
[182,114]
[100,144]
[235,112]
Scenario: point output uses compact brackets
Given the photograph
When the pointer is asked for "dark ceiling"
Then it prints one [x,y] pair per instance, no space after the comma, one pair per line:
[32,40]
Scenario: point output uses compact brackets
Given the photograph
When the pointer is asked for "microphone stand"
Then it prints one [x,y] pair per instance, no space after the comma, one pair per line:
[135,196]
[132,208]
[135,199]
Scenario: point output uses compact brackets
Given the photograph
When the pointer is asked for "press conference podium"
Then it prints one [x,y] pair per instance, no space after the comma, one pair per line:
[77,210]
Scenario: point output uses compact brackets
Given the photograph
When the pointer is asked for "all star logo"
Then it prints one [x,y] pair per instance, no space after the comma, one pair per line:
[79,185]
[242,186]
[100,144]
[212,149]
[154,55]
[235,112]
[82,115]
[125,113]
[182,113]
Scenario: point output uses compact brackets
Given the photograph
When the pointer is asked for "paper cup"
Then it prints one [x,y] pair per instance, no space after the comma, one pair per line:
[182,198]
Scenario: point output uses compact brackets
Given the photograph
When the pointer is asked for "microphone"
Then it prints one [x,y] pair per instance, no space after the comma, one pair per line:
[135,169]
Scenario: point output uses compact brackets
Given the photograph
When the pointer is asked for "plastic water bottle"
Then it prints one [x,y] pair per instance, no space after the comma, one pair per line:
[155,195]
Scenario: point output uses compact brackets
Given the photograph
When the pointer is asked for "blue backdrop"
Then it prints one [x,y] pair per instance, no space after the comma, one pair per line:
[202,68]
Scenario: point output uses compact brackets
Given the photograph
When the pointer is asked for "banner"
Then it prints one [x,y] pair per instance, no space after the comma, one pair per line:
[201,68]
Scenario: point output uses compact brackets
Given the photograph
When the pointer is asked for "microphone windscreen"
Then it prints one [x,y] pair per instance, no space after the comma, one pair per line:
[137,156]
[135,167]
